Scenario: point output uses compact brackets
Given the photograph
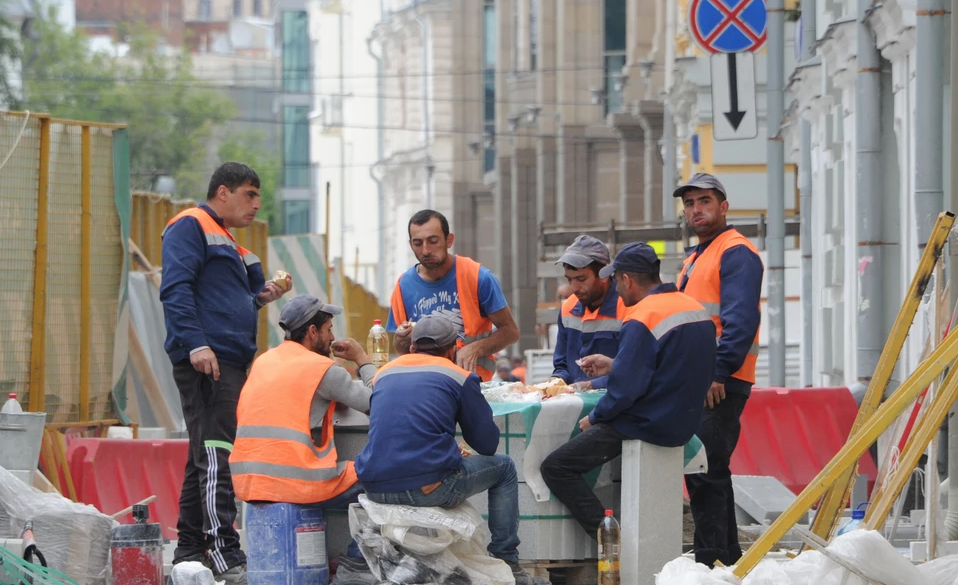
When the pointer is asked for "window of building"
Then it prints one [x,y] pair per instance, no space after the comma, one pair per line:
[296,52]
[296,216]
[206,10]
[296,146]
[489,80]
[257,7]
[237,8]
[533,33]
[614,39]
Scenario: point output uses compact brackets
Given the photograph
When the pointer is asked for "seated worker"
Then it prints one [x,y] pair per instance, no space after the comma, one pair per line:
[504,371]
[590,319]
[657,381]
[412,457]
[284,449]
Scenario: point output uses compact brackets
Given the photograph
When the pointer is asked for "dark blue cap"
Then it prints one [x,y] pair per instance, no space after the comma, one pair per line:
[637,257]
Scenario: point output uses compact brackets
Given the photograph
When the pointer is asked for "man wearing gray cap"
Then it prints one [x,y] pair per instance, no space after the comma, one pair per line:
[285,449]
[724,273]
[412,457]
[591,318]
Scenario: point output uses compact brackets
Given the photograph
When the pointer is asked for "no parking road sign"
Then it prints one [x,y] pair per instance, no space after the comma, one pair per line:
[728,26]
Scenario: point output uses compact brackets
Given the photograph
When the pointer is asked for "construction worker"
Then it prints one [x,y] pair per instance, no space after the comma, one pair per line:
[455,286]
[211,291]
[590,319]
[285,449]
[724,273]
[412,457]
[519,367]
[657,381]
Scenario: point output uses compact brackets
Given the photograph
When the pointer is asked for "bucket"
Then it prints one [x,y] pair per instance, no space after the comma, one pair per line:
[20,438]
[286,544]
[137,551]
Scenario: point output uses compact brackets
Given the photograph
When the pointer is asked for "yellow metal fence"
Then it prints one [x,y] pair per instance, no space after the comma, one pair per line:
[62,252]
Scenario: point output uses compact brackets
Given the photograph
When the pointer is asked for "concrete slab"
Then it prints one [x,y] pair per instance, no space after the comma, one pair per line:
[762,498]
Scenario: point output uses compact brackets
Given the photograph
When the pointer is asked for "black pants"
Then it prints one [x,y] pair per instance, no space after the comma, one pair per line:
[563,469]
[207,502]
[710,494]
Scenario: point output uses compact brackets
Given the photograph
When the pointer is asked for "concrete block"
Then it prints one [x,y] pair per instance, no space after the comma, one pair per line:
[152,433]
[919,549]
[763,498]
[24,475]
[14,545]
[651,511]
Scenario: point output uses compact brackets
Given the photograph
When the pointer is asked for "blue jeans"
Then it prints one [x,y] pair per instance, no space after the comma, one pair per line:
[342,502]
[478,473]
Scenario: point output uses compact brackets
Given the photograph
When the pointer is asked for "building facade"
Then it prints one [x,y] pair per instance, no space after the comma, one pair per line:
[509,114]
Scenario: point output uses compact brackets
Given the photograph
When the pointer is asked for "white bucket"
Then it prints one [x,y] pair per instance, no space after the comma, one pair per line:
[20,438]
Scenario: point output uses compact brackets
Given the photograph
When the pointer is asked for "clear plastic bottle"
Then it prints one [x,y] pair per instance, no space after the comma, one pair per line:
[11,406]
[377,344]
[608,550]
[855,523]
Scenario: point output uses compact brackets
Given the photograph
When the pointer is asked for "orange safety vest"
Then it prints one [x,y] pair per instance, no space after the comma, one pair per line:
[705,286]
[216,235]
[592,322]
[274,458]
[477,327]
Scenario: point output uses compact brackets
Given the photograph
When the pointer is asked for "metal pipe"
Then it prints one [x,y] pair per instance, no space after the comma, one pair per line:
[380,152]
[669,179]
[868,201]
[951,519]
[929,196]
[805,215]
[776,191]
[86,267]
[647,156]
[342,142]
[425,106]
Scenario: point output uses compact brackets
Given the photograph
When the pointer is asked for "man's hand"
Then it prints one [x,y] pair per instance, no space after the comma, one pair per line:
[205,361]
[350,349]
[716,394]
[595,365]
[585,423]
[402,339]
[272,291]
[583,386]
[467,357]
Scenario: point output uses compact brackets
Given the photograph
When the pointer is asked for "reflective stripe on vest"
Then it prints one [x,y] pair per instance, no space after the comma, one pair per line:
[591,325]
[704,285]
[476,327]
[456,375]
[274,458]
[663,312]
[216,235]
[679,318]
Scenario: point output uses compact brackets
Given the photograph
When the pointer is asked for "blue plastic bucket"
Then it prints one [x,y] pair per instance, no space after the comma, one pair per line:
[286,545]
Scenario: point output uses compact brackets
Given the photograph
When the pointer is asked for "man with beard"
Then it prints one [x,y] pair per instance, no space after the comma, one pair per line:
[724,273]
[285,449]
[456,287]
[657,381]
[590,319]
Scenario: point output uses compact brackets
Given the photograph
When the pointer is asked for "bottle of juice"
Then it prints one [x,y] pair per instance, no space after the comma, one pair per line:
[377,344]
[609,550]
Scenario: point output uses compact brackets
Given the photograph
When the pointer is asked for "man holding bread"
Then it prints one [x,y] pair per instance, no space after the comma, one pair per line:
[211,291]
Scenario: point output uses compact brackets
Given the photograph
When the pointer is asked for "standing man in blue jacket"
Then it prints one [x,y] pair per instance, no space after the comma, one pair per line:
[412,457]
[590,319]
[211,291]
[724,273]
[657,381]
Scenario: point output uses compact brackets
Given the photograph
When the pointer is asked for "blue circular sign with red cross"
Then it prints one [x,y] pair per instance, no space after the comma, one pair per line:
[728,26]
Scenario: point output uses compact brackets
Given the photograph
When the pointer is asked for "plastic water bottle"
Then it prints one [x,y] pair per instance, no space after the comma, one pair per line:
[608,550]
[11,406]
[858,515]
[377,344]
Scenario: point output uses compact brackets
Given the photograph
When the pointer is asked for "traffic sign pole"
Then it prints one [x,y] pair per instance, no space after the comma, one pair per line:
[775,161]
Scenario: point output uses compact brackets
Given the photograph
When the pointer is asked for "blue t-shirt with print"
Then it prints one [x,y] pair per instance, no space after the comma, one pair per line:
[421,297]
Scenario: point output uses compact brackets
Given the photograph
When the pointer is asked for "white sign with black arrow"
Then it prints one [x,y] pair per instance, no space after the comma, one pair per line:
[734,115]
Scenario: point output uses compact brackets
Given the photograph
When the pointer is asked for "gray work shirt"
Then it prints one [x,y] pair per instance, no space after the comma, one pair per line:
[338,386]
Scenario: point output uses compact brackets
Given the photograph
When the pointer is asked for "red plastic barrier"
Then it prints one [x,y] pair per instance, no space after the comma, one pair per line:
[113,474]
[792,434]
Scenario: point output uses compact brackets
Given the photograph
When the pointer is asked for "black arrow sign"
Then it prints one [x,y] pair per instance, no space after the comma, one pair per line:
[734,116]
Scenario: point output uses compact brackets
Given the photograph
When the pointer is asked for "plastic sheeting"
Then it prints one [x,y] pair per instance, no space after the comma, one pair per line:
[405,545]
[866,551]
[74,538]
[146,315]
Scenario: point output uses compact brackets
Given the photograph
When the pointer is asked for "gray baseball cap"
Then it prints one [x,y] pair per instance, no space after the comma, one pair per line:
[584,251]
[701,181]
[434,331]
[300,309]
